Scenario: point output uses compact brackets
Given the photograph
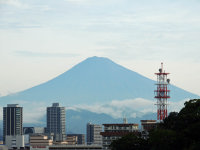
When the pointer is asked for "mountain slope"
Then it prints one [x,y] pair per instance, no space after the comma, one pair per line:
[95,80]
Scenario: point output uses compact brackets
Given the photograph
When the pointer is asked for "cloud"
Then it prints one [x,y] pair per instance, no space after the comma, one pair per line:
[80,1]
[136,104]
[130,108]
[44,54]
[18,25]
[15,3]
[117,109]
[33,112]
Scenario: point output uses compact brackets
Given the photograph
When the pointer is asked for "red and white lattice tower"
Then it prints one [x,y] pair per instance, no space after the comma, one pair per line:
[162,93]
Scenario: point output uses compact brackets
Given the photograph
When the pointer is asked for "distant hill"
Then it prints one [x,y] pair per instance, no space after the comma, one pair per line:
[82,117]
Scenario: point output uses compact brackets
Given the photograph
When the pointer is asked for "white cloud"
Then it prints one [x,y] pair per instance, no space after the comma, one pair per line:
[43,54]
[33,112]
[135,104]
[100,108]
[16,3]
[80,1]
[130,108]
[118,109]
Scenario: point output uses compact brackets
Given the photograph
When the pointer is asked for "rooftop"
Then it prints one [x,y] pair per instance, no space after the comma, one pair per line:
[12,105]
[121,124]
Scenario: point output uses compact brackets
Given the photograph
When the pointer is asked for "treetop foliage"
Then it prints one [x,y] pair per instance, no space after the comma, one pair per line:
[179,131]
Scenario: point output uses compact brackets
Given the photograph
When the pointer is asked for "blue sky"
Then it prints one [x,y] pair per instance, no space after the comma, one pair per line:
[42,39]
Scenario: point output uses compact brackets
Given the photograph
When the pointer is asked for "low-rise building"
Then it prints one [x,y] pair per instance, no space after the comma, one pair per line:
[81,138]
[116,131]
[39,141]
[31,130]
[14,141]
[3,147]
[72,140]
[147,125]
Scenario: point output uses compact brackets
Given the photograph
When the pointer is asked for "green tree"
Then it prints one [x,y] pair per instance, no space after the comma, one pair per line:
[130,142]
[164,139]
[179,130]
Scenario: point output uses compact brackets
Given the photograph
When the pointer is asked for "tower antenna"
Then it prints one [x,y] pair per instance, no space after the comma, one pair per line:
[162,94]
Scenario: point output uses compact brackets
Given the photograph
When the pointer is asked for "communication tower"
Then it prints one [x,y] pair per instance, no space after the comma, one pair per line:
[162,93]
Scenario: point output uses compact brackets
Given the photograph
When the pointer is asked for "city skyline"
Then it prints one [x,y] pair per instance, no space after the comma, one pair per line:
[40,40]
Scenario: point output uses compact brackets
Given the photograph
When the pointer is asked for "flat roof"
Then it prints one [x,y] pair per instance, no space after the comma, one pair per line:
[147,120]
[121,124]
[12,105]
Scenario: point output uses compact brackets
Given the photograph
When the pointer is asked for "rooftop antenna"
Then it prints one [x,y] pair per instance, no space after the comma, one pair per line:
[125,121]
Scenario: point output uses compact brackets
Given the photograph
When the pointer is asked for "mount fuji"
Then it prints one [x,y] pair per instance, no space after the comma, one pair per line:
[95,88]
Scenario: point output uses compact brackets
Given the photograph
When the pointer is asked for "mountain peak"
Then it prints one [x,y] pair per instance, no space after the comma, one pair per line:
[95,63]
[98,59]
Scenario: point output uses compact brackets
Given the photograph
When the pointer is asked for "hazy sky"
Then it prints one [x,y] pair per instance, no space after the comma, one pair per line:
[40,39]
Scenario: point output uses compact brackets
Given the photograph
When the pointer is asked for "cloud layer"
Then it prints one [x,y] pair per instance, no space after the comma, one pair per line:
[131,108]
[43,54]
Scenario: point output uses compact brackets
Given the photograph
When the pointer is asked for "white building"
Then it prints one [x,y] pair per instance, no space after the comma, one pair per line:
[14,141]
[3,147]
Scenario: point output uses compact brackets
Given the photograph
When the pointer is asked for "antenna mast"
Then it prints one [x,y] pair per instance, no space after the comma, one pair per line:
[162,93]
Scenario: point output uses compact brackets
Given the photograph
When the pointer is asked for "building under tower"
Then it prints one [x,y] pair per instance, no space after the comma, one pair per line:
[56,122]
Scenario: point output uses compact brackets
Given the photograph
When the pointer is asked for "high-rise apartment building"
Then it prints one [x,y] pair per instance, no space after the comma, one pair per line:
[12,120]
[56,122]
[93,134]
